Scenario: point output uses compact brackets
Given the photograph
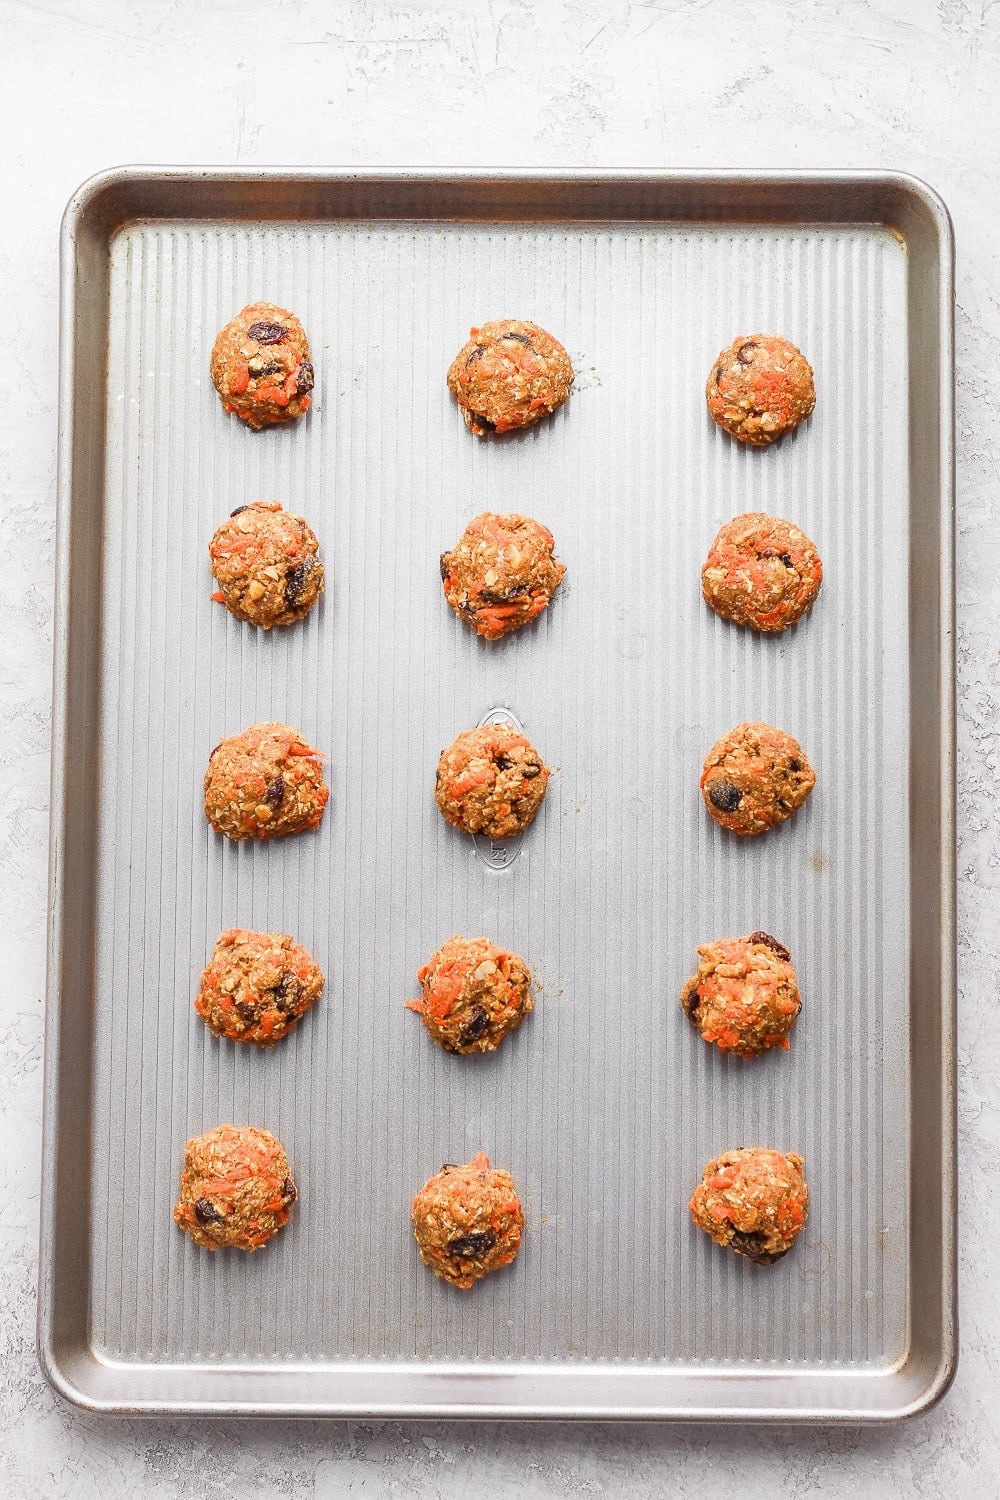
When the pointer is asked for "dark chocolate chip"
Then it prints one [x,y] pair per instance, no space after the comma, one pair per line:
[295,582]
[275,794]
[287,992]
[492,596]
[723,795]
[475,1026]
[305,377]
[472,1246]
[752,1246]
[770,942]
[750,344]
[239,509]
[206,1212]
[477,353]
[520,338]
[267,333]
[689,1000]
[289,1191]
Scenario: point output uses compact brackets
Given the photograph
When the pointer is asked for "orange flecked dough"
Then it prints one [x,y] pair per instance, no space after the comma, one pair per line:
[510,374]
[264,783]
[745,996]
[491,780]
[759,388]
[762,572]
[755,777]
[501,573]
[473,994]
[754,1201]
[236,1188]
[468,1221]
[261,368]
[257,986]
[264,560]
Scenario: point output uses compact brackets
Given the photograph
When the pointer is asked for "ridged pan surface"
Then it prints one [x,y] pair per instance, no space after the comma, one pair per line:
[605,1104]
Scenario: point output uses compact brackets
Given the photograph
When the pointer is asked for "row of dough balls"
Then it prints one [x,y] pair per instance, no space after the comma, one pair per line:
[237,1189]
[268,782]
[502,573]
[509,375]
[237,1192]
[257,986]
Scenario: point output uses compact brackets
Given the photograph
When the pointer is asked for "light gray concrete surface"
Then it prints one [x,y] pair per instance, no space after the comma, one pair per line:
[84,84]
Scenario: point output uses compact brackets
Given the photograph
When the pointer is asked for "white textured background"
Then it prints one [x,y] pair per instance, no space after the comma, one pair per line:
[85,84]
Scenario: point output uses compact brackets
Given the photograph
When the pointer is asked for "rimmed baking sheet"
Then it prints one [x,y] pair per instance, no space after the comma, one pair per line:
[605,1104]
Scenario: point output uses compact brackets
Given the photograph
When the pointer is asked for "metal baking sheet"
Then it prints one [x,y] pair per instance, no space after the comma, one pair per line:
[605,1104]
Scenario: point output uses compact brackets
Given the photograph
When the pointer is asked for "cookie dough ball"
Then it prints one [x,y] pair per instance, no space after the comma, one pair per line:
[261,367]
[257,986]
[744,997]
[491,780]
[264,783]
[761,572]
[474,994]
[760,388]
[510,374]
[236,1188]
[755,777]
[501,573]
[468,1221]
[264,560]
[753,1200]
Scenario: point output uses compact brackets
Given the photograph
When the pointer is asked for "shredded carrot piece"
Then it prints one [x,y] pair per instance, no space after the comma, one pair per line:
[463,784]
[275,393]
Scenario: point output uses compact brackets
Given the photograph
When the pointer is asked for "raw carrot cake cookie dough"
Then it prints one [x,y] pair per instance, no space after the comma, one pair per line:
[264,783]
[745,996]
[264,561]
[236,1188]
[261,367]
[474,994]
[501,573]
[755,777]
[491,780]
[761,572]
[753,1201]
[468,1221]
[510,374]
[760,388]
[257,986]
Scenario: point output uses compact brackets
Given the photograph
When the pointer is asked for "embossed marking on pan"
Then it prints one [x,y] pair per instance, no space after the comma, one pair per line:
[498,854]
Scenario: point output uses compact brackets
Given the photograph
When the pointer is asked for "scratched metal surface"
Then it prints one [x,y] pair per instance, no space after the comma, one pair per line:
[605,1104]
